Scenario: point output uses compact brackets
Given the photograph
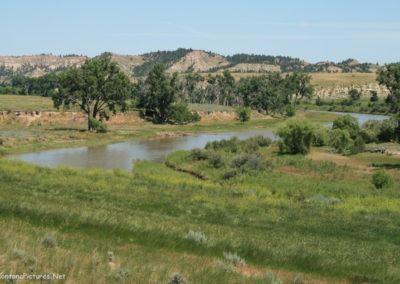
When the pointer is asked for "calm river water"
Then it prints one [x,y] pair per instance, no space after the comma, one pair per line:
[121,155]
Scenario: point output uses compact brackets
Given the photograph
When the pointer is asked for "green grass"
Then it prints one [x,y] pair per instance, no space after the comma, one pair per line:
[25,103]
[143,217]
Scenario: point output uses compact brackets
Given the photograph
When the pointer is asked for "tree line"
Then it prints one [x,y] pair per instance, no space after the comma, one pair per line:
[99,87]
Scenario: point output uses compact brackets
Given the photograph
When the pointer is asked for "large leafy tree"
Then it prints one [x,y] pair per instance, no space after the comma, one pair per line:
[300,85]
[159,94]
[389,76]
[97,87]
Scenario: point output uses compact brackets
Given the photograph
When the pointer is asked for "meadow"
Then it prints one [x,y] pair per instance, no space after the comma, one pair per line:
[215,215]
[298,219]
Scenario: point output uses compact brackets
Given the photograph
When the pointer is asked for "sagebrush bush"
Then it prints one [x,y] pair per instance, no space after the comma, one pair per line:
[250,146]
[261,140]
[240,160]
[271,278]
[234,258]
[223,267]
[177,278]
[122,274]
[229,174]
[18,254]
[197,237]
[49,241]
[215,159]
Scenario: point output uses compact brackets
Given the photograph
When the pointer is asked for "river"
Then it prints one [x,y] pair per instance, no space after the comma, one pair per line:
[121,155]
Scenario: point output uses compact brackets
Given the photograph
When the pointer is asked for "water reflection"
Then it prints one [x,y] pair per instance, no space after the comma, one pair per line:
[121,155]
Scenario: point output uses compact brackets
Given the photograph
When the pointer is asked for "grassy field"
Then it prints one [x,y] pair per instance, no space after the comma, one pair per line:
[25,103]
[329,80]
[300,218]
[250,216]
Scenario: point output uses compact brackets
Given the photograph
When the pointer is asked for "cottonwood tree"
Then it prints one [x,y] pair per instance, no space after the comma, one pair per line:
[389,76]
[159,94]
[300,85]
[97,87]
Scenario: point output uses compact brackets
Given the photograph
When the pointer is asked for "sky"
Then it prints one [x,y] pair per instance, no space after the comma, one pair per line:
[333,30]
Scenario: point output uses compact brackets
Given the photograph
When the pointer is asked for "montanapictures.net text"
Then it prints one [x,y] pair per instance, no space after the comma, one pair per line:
[47,276]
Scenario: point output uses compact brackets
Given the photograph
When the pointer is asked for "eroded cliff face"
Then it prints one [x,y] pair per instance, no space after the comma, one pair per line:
[38,65]
[343,91]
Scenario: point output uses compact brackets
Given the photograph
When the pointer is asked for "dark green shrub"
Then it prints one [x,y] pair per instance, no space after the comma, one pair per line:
[229,174]
[98,126]
[246,162]
[320,137]
[243,114]
[215,159]
[354,94]
[240,160]
[319,102]
[261,140]
[290,110]
[250,146]
[347,122]
[340,140]
[387,131]
[256,163]
[358,145]
[180,114]
[381,179]
[374,96]
[369,131]
[296,136]
[198,154]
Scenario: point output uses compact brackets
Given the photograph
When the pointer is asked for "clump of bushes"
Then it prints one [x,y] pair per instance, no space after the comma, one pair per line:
[243,114]
[347,137]
[180,114]
[198,154]
[296,136]
[381,179]
[374,131]
[215,159]
[230,174]
[98,126]
[244,162]
[240,155]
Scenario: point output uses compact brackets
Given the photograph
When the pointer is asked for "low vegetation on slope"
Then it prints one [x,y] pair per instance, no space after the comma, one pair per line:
[318,219]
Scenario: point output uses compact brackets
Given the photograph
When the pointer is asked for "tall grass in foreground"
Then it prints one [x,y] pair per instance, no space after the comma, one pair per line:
[264,217]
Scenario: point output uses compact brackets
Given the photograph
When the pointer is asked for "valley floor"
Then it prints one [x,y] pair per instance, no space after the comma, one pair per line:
[311,219]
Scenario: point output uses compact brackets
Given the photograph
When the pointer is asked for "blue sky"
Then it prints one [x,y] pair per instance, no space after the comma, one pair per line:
[308,29]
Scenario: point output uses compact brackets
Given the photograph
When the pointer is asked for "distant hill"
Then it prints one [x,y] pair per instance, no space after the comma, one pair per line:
[182,61]
[37,65]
